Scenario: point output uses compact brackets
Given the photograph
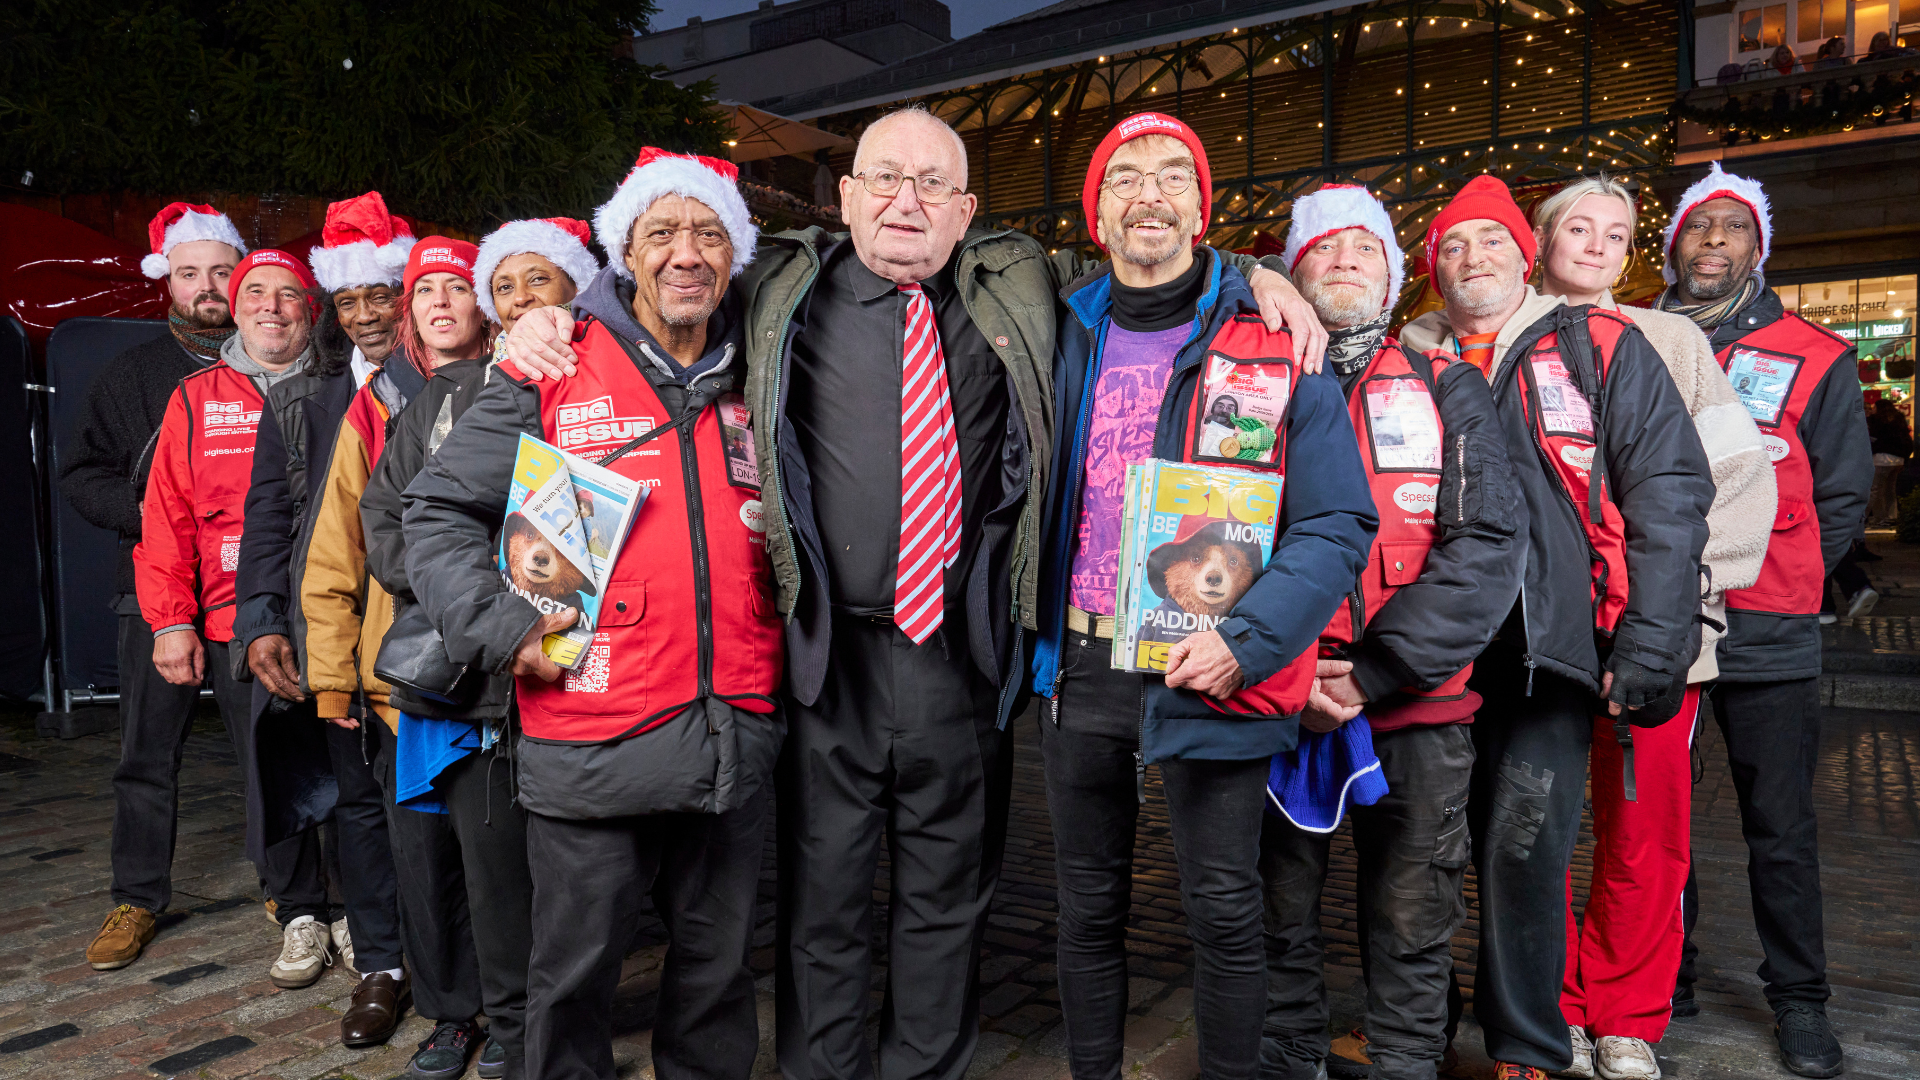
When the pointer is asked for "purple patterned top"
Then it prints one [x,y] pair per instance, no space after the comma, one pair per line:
[1134,368]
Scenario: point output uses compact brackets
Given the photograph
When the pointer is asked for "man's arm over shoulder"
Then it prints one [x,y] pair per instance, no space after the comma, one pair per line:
[266,539]
[1327,522]
[1834,431]
[1658,476]
[166,561]
[452,510]
[1435,626]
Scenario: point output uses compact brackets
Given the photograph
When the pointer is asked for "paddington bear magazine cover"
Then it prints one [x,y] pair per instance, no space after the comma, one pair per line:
[1195,539]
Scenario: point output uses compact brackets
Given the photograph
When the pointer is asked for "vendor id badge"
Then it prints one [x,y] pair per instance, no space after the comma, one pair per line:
[1242,408]
[1404,426]
[736,438]
[1763,380]
[1563,408]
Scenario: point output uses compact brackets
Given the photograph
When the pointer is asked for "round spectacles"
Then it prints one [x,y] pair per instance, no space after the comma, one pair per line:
[1171,180]
[932,188]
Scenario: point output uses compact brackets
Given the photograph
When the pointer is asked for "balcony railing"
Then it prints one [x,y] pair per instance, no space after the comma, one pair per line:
[1769,106]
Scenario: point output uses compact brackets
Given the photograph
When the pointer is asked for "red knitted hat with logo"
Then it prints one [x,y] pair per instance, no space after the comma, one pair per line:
[1483,197]
[1133,127]
[274,257]
[439,255]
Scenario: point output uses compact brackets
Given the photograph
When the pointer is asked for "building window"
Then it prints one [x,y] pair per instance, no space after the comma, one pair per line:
[1766,27]
[1877,315]
[1823,19]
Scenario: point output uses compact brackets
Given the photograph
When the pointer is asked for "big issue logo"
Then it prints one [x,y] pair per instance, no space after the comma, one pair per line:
[586,423]
[228,418]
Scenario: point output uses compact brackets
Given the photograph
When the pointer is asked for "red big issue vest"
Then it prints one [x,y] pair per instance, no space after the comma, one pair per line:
[223,418]
[1774,370]
[1559,388]
[1401,440]
[689,612]
[1242,351]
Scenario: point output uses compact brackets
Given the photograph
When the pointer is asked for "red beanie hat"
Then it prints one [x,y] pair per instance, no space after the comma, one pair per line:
[439,255]
[1149,123]
[274,257]
[1483,197]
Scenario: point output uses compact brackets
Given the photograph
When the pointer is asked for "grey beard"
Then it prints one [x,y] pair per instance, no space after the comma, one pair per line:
[1712,290]
[1476,302]
[1343,309]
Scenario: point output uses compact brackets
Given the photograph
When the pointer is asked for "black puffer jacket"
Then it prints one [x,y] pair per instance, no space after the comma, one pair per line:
[104,473]
[412,437]
[1658,476]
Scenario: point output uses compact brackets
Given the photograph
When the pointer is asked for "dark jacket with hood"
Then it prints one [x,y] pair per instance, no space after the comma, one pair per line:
[1762,647]
[1327,522]
[452,511]
[413,437]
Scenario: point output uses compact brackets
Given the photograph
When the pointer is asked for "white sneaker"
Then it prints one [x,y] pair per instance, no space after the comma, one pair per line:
[1862,603]
[1621,1058]
[343,946]
[1582,1067]
[304,954]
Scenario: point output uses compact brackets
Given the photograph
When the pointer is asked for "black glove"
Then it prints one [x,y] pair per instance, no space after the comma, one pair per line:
[1654,695]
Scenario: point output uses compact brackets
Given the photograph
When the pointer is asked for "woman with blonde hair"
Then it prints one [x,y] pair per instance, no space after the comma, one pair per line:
[1621,964]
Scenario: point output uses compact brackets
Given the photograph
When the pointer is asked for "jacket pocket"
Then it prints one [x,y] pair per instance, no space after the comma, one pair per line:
[1791,513]
[1401,562]
[607,681]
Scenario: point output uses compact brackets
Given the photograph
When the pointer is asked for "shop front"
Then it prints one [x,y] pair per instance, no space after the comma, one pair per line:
[1877,315]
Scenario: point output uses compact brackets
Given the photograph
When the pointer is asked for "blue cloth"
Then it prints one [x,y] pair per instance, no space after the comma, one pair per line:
[1311,784]
[423,750]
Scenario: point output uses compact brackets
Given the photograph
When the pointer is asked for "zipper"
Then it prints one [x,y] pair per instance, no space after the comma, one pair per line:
[702,576]
[1553,474]
[1013,679]
[1526,625]
[1140,748]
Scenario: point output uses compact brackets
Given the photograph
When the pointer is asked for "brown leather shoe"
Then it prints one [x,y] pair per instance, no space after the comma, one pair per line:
[378,1003]
[125,932]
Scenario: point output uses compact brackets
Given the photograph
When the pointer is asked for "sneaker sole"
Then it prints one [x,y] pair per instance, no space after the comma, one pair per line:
[492,1072]
[294,982]
[113,965]
[1815,1071]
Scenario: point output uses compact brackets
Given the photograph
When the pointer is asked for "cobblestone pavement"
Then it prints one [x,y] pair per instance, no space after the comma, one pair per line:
[199,1003]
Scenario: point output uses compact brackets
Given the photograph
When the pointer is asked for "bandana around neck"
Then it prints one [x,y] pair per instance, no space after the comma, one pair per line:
[1710,315]
[1351,349]
[201,342]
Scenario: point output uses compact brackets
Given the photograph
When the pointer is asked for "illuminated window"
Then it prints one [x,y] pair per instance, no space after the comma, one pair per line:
[1765,27]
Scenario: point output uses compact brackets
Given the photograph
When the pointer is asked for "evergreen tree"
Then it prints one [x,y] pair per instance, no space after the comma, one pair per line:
[469,112]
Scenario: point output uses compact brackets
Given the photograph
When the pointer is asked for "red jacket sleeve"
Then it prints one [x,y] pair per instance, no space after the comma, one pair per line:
[166,561]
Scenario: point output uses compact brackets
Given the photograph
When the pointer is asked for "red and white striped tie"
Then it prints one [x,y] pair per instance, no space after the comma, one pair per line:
[929,475]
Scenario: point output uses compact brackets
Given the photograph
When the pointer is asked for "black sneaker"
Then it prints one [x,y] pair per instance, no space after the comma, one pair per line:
[493,1061]
[1807,1045]
[1685,1005]
[443,1054]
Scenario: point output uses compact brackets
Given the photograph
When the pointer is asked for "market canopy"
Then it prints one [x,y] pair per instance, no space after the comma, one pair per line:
[758,134]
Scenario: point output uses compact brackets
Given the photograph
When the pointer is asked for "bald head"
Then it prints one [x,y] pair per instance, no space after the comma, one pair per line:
[929,136]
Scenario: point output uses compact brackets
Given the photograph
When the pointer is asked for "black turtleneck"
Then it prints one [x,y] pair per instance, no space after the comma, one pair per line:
[1161,307]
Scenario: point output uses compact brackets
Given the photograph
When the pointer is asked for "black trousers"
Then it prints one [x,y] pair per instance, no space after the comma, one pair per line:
[1772,732]
[1214,808]
[704,872]
[1412,853]
[367,877]
[466,896]
[901,749]
[1529,781]
[155,719]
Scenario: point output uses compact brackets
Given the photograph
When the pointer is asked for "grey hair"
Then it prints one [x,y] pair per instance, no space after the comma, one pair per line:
[1546,216]
[916,109]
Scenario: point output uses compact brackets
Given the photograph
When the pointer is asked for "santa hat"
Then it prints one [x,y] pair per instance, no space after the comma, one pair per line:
[656,173]
[361,244]
[1483,197]
[1133,127]
[183,223]
[1721,185]
[559,240]
[1336,208]
[439,255]
[273,257]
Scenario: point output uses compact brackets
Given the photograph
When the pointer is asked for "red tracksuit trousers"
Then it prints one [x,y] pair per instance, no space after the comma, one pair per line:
[1622,959]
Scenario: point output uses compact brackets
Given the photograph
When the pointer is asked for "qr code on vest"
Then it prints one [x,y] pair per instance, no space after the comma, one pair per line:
[591,676]
[230,553]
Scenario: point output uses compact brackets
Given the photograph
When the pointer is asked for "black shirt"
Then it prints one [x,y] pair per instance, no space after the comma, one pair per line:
[844,405]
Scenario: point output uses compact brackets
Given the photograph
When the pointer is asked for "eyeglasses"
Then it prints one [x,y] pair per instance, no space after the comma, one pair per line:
[1171,180]
[932,189]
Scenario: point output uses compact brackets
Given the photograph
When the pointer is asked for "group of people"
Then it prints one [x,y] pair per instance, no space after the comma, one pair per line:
[1577,533]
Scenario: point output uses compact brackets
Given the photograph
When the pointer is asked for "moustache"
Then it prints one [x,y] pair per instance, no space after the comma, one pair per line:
[209,297]
[1147,213]
[704,276]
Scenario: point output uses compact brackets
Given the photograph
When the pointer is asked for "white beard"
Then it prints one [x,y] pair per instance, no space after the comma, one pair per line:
[1340,308]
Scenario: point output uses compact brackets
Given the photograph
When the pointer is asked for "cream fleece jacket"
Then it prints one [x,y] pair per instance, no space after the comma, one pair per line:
[1741,519]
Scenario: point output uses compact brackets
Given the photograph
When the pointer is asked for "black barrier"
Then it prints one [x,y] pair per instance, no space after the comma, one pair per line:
[86,630]
[23,637]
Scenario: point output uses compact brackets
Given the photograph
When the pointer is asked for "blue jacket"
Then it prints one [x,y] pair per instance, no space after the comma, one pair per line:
[1327,522]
